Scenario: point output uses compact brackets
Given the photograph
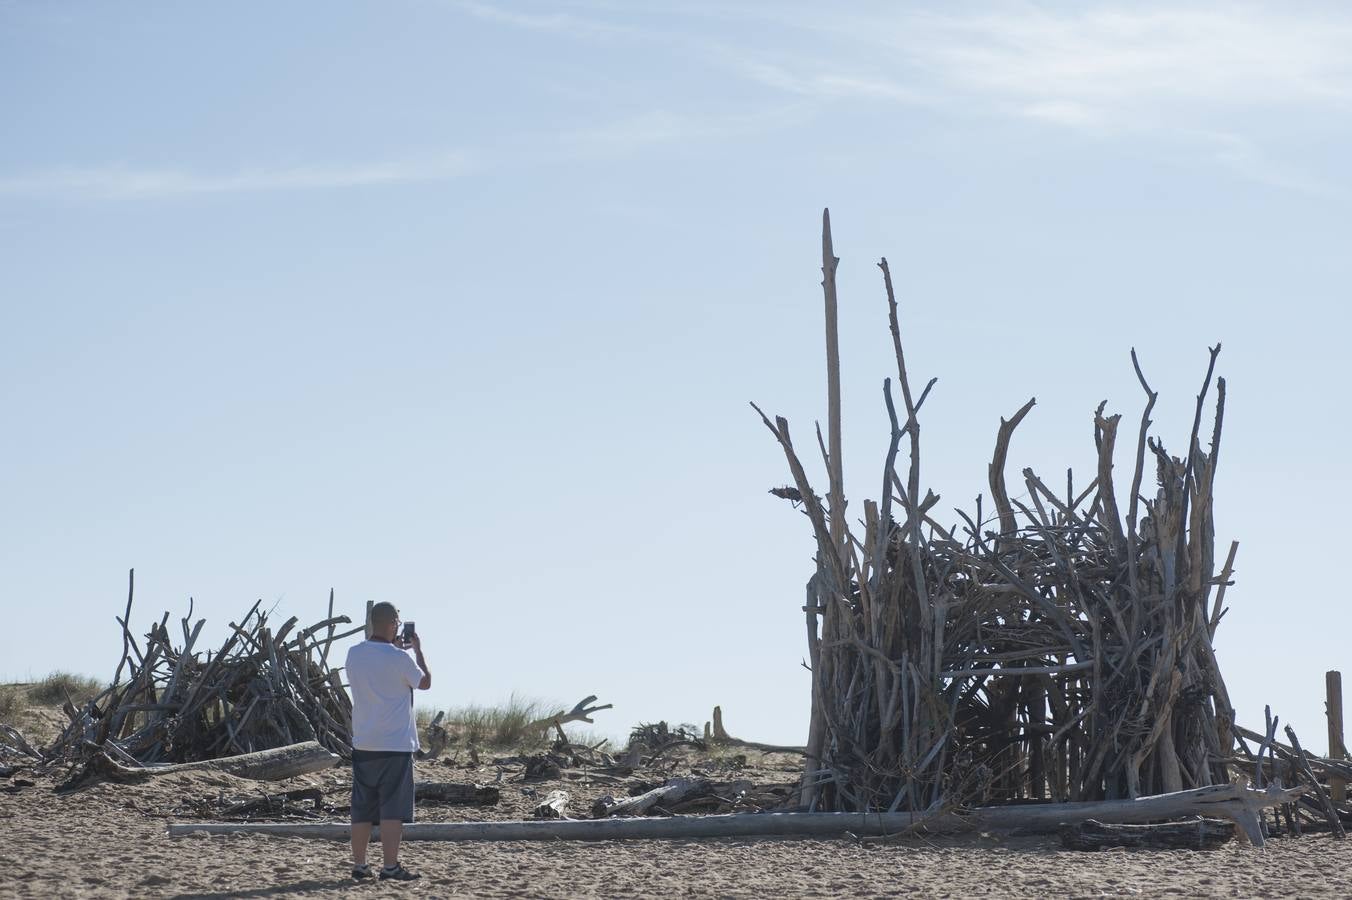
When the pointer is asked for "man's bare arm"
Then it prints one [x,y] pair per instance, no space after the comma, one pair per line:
[422,664]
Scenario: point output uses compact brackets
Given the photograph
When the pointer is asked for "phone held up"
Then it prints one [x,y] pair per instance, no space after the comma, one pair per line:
[407,636]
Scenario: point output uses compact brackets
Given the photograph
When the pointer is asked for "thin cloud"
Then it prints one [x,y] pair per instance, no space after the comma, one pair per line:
[1125,65]
[666,127]
[1201,73]
[124,182]
[566,23]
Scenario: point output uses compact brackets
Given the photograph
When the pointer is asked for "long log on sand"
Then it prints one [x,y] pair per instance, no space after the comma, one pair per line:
[276,764]
[1238,803]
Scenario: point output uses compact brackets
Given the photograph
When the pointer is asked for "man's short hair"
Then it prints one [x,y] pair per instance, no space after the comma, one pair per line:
[383,614]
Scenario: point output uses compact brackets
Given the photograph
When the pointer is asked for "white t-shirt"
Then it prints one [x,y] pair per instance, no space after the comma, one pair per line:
[382,678]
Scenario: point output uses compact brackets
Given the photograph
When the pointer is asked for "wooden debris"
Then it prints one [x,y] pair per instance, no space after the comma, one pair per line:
[581,712]
[456,794]
[277,764]
[554,806]
[280,804]
[669,793]
[437,737]
[719,736]
[16,744]
[1197,834]
[1331,814]
[1230,801]
[1333,708]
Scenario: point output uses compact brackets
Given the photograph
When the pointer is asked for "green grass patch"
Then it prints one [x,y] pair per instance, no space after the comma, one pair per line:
[56,687]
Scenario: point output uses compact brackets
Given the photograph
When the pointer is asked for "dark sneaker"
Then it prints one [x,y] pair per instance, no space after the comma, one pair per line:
[362,871]
[398,873]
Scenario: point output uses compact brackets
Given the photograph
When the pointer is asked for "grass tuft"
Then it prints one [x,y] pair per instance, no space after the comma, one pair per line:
[496,726]
[13,704]
[54,689]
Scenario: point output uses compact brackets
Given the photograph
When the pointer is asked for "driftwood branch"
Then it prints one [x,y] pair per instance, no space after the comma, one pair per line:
[277,764]
[1229,801]
[581,712]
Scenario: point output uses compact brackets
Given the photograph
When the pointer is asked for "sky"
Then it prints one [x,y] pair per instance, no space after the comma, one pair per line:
[461,305]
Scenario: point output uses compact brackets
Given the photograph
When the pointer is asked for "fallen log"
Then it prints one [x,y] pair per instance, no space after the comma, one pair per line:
[276,764]
[671,792]
[1232,801]
[1199,834]
[456,794]
[554,806]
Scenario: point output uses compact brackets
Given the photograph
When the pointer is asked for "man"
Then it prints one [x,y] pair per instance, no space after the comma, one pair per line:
[382,677]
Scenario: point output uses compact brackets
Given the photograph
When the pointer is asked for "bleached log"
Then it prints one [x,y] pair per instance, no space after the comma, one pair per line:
[1196,834]
[1238,803]
[554,806]
[276,764]
[671,792]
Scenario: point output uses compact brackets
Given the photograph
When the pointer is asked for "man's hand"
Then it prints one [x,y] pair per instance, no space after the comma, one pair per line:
[416,646]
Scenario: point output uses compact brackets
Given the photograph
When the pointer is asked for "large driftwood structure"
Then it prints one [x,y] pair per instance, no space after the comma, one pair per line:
[1054,648]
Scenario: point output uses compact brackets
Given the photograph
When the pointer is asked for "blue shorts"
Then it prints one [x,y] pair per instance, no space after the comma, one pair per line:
[382,786]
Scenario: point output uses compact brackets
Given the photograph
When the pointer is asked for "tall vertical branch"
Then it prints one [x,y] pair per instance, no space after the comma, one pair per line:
[837,474]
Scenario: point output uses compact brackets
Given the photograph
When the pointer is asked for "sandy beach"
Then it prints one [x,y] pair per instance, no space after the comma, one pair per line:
[109,840]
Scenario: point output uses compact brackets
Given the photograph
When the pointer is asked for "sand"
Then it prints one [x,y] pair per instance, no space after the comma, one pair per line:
[109,840]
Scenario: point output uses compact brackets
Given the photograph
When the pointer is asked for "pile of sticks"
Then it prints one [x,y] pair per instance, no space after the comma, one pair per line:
[265,687]
[1058,647]
[1325,806]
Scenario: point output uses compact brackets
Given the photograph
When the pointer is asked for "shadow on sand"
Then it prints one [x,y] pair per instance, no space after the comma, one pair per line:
[313,886]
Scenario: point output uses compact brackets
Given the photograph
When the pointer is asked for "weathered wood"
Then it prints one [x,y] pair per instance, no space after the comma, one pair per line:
[275,803]
[1335,823]
[1333,687]
[1230,801]
[581,712]
[911,627]
[554,806]
[457,794]
[719,735]
[1198,834]
[674,790]
[264,765]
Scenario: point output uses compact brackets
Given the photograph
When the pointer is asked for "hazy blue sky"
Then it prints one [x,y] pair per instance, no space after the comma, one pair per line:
[460,305]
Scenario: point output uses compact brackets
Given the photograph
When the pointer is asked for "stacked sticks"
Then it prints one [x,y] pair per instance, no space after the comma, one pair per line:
[263,688]
[1061,651]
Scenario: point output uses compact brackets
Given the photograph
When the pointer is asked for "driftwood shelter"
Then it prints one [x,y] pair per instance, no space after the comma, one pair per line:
[1058,649]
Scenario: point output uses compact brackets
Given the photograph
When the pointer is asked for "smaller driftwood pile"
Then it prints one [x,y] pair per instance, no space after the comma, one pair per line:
[265,704]
[1324,806]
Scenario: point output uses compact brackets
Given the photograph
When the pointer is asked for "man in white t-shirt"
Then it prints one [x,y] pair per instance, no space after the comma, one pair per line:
[382,677]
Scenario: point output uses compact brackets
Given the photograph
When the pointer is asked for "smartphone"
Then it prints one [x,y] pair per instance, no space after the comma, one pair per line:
[408,632]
